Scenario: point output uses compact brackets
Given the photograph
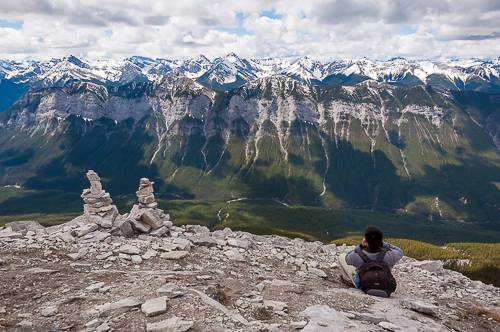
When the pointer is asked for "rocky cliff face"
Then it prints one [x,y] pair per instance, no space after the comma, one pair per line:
[372,145]
[78,276]
[381,142]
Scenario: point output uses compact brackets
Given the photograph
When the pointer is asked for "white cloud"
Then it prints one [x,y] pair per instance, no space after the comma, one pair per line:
[186,28]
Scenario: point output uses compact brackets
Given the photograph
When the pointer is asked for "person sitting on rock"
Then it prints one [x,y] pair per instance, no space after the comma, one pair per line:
[369,265]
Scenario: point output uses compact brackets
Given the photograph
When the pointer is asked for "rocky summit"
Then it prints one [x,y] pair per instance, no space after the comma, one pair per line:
[94,274]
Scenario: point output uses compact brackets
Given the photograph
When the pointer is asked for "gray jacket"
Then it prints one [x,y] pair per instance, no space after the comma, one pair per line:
[393,255]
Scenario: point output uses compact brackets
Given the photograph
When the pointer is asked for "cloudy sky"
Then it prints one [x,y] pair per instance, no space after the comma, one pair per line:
[376,29]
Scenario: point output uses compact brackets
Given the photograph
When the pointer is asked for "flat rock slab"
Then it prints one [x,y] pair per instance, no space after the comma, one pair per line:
[170,290]
[431,266]
[239,243]
[154,307]
[317,272]
[48,311]
[275,305]
[150,218]
[122,305]
[86,229]
[421,307]
[136,259]
[174,254]
[8,233]
[150,253]
[203,240]
[39,270]
[129,249]
[95,287]
[323,318]
[96,236]
[234,255]
[77,255]
[182,244]
[174,324]
[66,237]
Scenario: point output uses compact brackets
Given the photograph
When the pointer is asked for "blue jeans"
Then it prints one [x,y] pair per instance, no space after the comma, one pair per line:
[356,279]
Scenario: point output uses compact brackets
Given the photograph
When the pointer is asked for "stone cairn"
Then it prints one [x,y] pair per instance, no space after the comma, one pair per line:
[98,206]
[145,217]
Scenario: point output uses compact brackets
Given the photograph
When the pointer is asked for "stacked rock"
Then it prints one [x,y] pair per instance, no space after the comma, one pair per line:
[145,194]
[145,217]
[98,207]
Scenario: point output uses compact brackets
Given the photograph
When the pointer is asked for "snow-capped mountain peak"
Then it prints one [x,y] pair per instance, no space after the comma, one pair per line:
[232,70]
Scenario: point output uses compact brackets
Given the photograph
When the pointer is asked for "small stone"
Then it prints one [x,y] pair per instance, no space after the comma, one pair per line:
[154,307]
[129,249]
[122,305]
[39,270]
[234,255]
[103,327]
[317,272]
[159,232]
[150,253]
[136,259]
[329,249]
[124,228]
[93,323]
[170,290]
[25,324]
[139,226]
[78,255]
[298,325]
[174,254]
[174,324]
[48,311]
[276,305]
[240,243]
[104,289]
[8,233]
[150,218]
[197,229]
[124,256]
[182,244]
[104,255]
[389,326]
[421,307]
[86,229]
[105,222]
[95,286]
[203,240]
[67,237]
[96,236]
[431,266]
[260,287]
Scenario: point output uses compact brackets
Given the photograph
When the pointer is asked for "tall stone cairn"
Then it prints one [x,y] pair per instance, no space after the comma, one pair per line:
[98,206]
[145,217]
[145,194]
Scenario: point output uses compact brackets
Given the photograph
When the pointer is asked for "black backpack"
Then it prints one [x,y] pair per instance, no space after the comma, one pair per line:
[375,275]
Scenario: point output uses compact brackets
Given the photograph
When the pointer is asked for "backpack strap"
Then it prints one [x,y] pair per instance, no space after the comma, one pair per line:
[381,255]
[361,254]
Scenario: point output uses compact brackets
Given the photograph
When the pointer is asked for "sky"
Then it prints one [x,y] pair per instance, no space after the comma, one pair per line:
[377,29]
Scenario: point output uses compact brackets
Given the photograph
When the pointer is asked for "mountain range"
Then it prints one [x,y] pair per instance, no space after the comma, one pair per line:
[406,136]
[231,71]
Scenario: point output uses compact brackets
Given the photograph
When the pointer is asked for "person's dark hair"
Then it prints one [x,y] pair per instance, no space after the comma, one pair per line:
[374,237]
